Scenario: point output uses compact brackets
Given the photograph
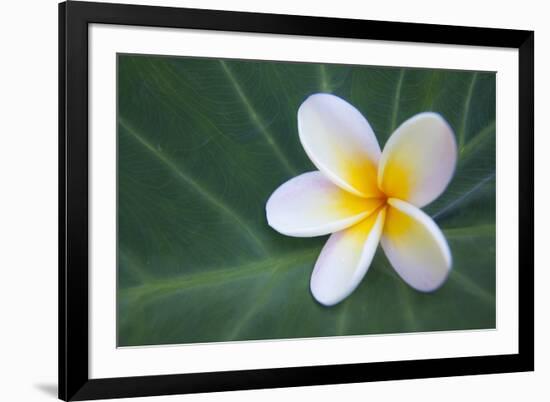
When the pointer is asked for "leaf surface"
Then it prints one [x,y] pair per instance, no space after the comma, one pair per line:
[202,144]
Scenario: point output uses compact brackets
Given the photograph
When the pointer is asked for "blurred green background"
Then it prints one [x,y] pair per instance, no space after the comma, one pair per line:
[202,144]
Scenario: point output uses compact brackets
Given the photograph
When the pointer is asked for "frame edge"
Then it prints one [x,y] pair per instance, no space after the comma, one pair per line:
[526,263]
[62,335]
[74,383]
[73,200]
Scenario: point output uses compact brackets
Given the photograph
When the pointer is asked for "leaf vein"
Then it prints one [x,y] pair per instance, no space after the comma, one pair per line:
[452,205]
[257,119]
[478,139]
[396,100]
[222,275]
[199,188]
[466,112]
[471,287]
[324,78]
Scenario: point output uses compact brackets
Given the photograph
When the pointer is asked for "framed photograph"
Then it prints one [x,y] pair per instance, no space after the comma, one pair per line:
[256,200]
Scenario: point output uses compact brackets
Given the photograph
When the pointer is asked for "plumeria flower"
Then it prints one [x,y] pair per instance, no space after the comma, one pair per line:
[364,196]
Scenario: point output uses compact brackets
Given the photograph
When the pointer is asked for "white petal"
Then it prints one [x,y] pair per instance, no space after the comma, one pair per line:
[415,246]
[345,259]
[340,143]
[311,205]
[418,160]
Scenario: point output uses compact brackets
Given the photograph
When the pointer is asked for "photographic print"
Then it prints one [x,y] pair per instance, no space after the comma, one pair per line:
[265,200]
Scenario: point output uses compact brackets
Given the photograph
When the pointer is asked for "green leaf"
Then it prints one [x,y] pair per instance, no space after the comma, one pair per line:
[202,144]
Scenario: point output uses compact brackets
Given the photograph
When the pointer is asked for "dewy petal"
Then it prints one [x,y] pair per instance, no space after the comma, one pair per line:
[340,143]
[311,205]
[418,160]
[345,259]
[415,246]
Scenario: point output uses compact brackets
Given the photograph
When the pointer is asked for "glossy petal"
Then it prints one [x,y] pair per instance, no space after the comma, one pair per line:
[345,259]
[311,205]
[418,160]
[415,246]
[340,143]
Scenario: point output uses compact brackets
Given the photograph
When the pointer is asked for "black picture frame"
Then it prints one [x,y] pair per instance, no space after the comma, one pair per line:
[74,381]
